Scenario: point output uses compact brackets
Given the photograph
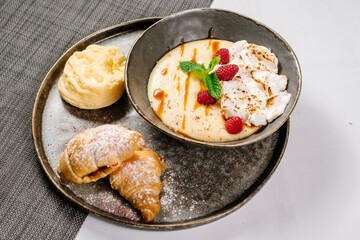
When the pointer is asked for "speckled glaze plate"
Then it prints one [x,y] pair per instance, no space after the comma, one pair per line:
[200,184]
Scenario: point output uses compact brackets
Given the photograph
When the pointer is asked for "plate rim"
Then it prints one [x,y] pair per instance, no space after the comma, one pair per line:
[38,143]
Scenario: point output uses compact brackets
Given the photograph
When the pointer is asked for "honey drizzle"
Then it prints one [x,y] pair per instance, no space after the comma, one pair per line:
[182,46]
[196,105]
[193,57]
[223,117]
[182,133]
[207,108]
[186,92]
[164,71]
[215,47]
[178,85]
[160,96]
[183,122]
[209,44]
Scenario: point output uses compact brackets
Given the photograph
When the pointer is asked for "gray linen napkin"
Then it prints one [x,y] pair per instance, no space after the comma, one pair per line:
[33,35]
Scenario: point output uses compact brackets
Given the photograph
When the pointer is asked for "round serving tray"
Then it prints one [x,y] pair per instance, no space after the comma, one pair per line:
[200,184]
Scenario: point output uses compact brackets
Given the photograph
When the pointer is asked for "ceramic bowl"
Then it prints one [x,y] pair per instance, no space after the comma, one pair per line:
[197,24]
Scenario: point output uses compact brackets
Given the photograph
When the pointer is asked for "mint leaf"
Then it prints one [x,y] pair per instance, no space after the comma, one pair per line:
[213,85]
[211,80]
[213,63]
[188,66]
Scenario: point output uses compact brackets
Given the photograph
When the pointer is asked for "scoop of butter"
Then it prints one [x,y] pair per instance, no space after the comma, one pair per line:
[93,78]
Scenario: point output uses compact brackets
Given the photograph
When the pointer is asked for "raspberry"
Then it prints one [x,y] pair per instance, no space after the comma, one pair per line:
[224,55]
[205,98]
[227,72]
[234,125]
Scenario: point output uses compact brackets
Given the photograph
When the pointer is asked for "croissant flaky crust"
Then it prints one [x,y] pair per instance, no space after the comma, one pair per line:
[138,181]
[97,152]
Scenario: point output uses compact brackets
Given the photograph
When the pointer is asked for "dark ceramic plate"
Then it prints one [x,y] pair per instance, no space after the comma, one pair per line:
[197,24]
[200,184]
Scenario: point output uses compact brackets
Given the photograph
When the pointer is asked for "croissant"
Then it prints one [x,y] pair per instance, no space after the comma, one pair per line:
[138,181]
[97,152]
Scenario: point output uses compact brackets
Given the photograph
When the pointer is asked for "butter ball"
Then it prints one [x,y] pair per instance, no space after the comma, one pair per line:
[93,78]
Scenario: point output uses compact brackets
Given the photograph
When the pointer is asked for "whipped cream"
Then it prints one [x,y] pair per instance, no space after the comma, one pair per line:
[257,93]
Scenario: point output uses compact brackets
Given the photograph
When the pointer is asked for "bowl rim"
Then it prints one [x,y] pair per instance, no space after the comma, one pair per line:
[226,144]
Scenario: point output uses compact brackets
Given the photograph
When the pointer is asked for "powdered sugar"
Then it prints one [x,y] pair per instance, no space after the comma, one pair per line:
[95,146]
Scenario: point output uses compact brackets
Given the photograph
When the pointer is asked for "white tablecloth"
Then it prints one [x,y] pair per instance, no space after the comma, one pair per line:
[315,192]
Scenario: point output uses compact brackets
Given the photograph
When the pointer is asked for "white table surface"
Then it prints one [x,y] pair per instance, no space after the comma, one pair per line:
[315,192]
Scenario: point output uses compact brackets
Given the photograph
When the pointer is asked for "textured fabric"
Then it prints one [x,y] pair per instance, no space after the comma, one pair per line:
[33,35]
